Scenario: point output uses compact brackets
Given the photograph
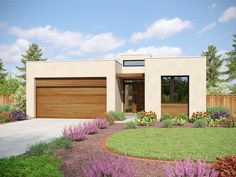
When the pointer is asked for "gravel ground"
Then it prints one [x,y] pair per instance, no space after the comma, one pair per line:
[81,152]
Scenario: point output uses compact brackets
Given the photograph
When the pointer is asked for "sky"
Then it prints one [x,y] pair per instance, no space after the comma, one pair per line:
[97,29]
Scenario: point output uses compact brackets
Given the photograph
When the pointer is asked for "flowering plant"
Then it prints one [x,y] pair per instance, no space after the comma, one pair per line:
[101,123]
[76,132]
[200,116]
[91,127]
[146,118]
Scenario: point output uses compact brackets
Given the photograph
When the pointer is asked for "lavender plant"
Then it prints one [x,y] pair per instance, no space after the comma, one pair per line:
[76,132]
[91,127]
[109,166]
[101,123]
[187,168]
[19,115]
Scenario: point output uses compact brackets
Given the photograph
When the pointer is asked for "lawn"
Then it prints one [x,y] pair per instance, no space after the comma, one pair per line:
[174,143]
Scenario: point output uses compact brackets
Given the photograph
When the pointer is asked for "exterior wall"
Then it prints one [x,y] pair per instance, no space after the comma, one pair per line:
[194,67]
[52,69]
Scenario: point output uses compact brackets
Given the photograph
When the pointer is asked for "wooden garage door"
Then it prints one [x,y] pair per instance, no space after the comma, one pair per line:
[70,98]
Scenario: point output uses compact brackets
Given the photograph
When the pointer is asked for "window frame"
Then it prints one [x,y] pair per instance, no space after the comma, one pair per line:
[133,65]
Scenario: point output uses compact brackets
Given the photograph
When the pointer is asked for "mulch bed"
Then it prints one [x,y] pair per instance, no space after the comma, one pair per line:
[79,155]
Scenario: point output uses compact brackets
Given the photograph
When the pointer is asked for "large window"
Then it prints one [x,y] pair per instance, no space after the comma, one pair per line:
[133,62]
[174,89]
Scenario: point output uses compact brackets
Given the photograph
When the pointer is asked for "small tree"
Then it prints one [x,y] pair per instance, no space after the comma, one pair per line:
[34,53]
[20,99]
[214,62]
[3,73]
[231,62]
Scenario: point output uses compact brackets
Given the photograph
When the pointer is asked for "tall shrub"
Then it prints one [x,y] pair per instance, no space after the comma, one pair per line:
[20,99]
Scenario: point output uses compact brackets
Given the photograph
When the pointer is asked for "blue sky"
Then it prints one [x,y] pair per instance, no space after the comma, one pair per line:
[104,29]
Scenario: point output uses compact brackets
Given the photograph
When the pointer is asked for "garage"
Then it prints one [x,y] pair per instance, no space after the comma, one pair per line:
[70,97]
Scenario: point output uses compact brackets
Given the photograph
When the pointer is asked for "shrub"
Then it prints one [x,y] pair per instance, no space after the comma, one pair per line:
[101,123]
[109,166]
[187,168]
[108,118]
[226,166]
[146,118]
[215,109]
[19,115]
[20,99]
[130,125]
[181,119]
[215,122]
[7,108]
[200,116]
[117,115]
[31,166]
[91,127]
[166,116]
[200,123]
[5,118]
[219,115]
[47,148]
[76,132]
[230,121]
[168,123]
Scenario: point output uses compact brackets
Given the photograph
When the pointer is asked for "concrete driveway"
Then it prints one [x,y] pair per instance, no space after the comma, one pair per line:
[16,137]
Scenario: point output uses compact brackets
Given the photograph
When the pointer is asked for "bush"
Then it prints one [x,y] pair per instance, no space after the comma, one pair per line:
[187,168]
[146,118]
[215,122]
[199,116]
[168,123]
[181,119]
[5,118]
[226,166]
[200,123]
[20,99]
[130,125]
[7,108]
[109,166]
[166,116]
[108,118]
[19,115]
[31,166]
[117,115]
[101,123]
[47,148]
[91,127]
[215,109]
[230,121]
[76,132]
[219,115]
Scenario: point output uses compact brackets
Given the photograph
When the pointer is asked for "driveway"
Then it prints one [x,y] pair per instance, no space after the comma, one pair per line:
[16,137]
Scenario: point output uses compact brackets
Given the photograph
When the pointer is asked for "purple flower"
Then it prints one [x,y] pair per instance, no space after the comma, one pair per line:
[219,115]
[109,166]
[187,168]
[19,115]
[91,127]
[101,123]
[76,132]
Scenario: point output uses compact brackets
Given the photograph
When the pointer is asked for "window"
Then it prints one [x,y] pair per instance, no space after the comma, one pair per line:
[133,62]
[174,89]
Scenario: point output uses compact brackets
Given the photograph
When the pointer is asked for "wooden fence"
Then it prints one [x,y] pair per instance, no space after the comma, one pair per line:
[5,99]
[226,100]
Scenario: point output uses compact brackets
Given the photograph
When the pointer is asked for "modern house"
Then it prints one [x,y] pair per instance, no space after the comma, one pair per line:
[86,89]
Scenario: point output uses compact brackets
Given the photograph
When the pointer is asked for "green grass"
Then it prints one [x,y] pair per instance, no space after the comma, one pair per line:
[38,161]
[174,143]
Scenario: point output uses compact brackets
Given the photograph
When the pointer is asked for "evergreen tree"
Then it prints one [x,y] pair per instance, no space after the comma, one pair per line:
[34,53]
[213,62]
[3,73]
[231,62]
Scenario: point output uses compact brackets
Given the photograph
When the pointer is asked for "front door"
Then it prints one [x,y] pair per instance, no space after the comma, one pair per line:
[133,95]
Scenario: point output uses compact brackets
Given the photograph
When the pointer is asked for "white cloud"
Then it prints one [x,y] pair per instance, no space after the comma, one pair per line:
[208,27]
[162,51]
[75,42]
[12,53]
[162,28]
[228,14]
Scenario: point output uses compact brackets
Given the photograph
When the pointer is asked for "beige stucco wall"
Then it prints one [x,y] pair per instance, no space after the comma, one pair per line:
[194,67]
[52,69]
